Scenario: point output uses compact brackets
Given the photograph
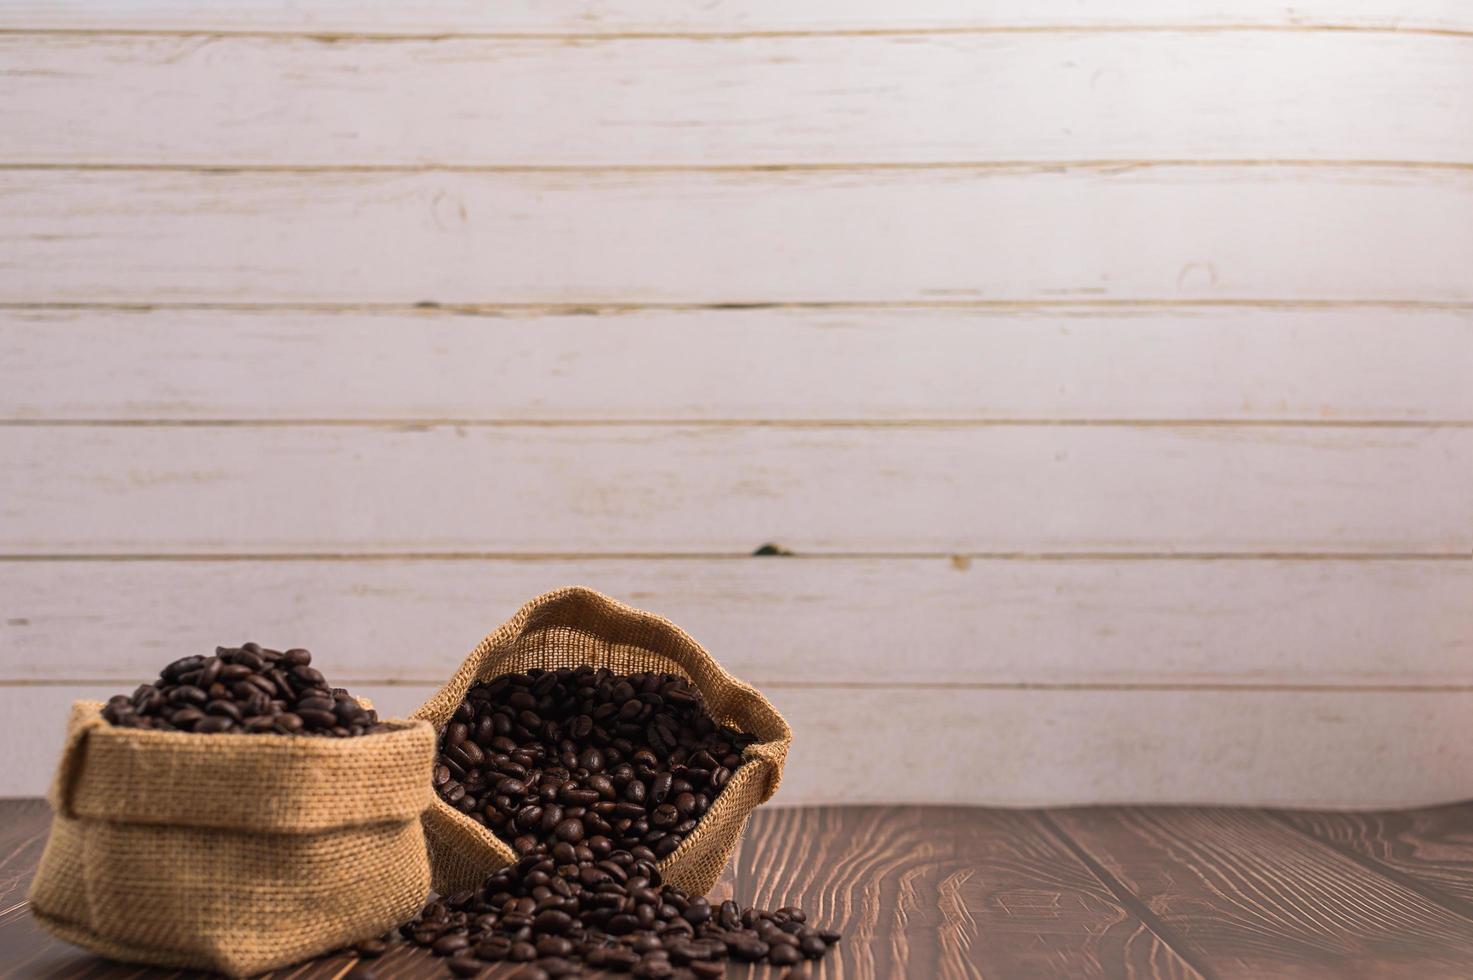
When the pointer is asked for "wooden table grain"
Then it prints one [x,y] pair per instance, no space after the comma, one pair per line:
[961,893]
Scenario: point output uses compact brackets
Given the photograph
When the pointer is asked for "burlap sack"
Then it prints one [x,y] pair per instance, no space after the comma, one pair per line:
[575,626]
[234,853]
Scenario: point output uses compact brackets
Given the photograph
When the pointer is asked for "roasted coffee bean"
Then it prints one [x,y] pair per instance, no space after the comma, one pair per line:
[186,694]
[313,718]
[230,673]
[308,676]
[730,915]
[577,797]
[554,946]
[495,949]
[249,659]
[552,921]
[813,947]
[184,718]
[621,924]
[243,689]
[747,948]
[181,666]
[349,711]
[227,708]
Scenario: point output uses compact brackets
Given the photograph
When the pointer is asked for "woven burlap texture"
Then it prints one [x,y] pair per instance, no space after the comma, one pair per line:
[232,853]
[574,626]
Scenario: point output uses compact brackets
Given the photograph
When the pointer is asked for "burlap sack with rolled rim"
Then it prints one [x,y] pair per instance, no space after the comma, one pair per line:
[233,853]
[574,626]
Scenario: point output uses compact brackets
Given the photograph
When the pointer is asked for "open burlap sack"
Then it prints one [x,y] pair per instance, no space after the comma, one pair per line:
[233,853]
[574,626]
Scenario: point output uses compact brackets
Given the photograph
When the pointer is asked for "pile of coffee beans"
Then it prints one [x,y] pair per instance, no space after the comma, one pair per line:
[582,907]
[581,755]
[593,777]
[246,689]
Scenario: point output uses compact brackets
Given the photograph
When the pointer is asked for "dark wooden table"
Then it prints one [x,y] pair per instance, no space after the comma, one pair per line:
[949,892]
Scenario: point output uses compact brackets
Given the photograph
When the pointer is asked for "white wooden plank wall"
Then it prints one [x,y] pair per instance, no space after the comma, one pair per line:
[965,362]
[622,18]
[893,98]
[1105,366]
[1036,233]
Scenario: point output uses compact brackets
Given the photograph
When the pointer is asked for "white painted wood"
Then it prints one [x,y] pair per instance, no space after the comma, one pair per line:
[601,17]
[1042,748]
[655,489]
[766,100]
[1028,748]
[1083,363]
[778,621]
[1340,288]
[1159,232]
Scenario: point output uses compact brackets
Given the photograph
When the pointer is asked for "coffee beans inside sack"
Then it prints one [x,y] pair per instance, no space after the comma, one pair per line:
[585,754]
[237,814]
[580,631]
[246,689]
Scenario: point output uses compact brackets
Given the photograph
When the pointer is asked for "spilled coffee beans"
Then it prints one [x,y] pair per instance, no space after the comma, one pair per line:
[246,689]
[583,756]
[577,909]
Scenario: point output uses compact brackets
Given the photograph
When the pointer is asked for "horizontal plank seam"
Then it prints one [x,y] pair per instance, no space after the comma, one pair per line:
[1451,903]
[494,310]
[1128,900]
[332,37]
[548,556]
[1005,167]
[1075,686]
[411,423]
